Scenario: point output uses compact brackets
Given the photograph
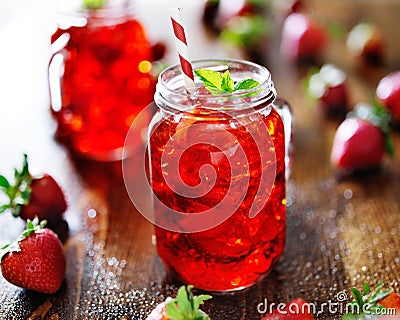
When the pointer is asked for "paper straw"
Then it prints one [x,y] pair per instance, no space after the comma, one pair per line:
[182,48]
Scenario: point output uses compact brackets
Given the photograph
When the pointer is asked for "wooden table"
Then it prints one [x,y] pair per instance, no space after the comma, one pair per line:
[340,232]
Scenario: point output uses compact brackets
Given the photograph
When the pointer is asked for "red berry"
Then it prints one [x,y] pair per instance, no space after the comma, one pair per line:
[185,305]
[296,6]
[329,87]
[391,301]
[158,50]
[47,200]
[388,91]
[159,312]
[38,265]
[296,309]
[365,40]
[357,145]
[302,38]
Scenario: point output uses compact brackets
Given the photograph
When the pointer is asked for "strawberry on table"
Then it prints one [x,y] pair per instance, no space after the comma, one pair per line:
[184,307]
[361,140]
[365,40]
[329,87]
[35,261]
[388,92]
[373,304]
[33,196]
[303,39]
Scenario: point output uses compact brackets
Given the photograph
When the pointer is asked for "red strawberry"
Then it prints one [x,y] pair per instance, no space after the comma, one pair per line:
[375,300]
[388,91]
[391,301]
[359,142]
[365,40]
[302,38]
[329,87]
[35,261]
[296,309]
[184,306]
[30,197]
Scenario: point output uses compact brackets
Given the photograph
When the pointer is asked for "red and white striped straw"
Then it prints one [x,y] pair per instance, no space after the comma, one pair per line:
[182,47]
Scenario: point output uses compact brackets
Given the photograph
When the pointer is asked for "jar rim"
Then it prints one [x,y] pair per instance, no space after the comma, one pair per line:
[168,80]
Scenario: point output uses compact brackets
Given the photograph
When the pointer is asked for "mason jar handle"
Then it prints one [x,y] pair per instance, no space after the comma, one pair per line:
[284,110]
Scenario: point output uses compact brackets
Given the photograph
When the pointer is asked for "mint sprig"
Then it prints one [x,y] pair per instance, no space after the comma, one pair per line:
[31,227]
[221,83]
[18,193]
[186,306]
[370,297]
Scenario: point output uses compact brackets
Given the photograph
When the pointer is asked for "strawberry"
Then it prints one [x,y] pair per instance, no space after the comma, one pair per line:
[184,307]
[391,301]
[30,196]
[360,141]
[365,40]
[36,260]
[329,87]
[296,309]
[388,92]
[302,38]
[372,304]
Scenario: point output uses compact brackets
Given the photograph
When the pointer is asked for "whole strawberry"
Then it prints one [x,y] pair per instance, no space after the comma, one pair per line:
[184,307]
[36,260]
[374,304]
[329,87]
[361,140]
[365,41]
[388,92]
[30,197]
[303,39]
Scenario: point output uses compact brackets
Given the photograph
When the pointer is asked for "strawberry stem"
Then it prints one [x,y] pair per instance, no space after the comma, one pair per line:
[31,227]
[18,193]
[186,306]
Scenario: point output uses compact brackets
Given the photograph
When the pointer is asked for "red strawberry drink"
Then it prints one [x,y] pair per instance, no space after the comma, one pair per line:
[99,79]
[217,166]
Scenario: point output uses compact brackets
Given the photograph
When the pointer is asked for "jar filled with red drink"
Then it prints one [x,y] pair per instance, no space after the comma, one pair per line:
[217,170]
[100,78]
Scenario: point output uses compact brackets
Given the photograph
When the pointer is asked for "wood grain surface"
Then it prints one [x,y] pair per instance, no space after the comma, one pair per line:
[341,231]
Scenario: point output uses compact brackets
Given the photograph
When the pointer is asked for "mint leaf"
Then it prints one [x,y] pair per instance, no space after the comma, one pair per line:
[217,83]
[227,82]
[212,81]
[246,84]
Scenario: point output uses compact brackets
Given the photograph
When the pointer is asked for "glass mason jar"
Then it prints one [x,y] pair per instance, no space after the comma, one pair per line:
[99,78]
[217,171]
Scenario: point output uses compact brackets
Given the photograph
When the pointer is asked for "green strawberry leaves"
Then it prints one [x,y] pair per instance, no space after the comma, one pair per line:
[186,306]
[31,227]
[217,83]
[18,193]
[369,298]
